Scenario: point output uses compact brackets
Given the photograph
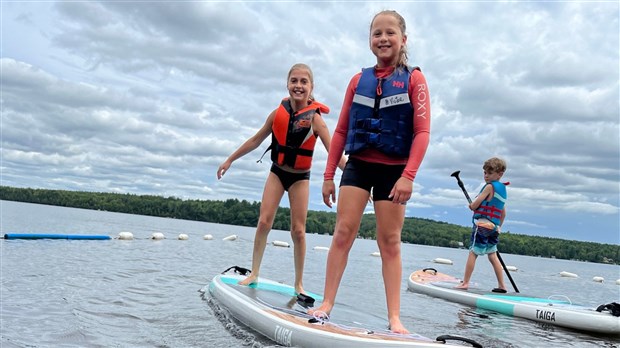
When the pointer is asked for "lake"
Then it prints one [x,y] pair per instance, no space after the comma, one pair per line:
[146,293]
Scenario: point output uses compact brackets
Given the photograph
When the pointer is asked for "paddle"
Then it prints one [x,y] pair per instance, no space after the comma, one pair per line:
[456,175]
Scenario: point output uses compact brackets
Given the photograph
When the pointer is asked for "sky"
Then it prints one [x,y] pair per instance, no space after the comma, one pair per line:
[150,97]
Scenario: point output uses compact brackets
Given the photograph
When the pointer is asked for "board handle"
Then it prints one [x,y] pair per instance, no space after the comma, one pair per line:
[444,338]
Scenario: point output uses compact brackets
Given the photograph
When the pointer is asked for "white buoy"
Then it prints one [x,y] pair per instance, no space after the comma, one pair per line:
[183,236]
[568,274]
[280,244]
[157,236]
[442,261]
[598,279]
[618,282]
[375,253]
[125,235]
[511,268]
[207,237]
[231,237]
[321,248]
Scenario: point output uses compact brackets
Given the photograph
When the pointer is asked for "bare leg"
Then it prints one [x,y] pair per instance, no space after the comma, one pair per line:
[469,269]
[390,219]
[499,271]
[272,195]
[298,198]
[350,207]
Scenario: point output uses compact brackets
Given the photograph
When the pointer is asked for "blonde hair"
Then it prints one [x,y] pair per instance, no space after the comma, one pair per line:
[403,57]
[495,165]
[302,66]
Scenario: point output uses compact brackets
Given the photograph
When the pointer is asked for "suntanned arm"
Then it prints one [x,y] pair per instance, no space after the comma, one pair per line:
[249,145]
[320,129]
[485,195]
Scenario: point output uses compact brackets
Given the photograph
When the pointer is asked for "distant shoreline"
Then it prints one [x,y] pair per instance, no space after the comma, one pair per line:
[244,213]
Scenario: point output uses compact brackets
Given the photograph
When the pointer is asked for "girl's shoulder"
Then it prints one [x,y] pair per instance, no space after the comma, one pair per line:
[354,81]
[417,79]
[356,77]
[416,73]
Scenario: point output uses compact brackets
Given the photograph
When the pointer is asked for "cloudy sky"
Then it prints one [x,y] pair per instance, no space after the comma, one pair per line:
[149,97]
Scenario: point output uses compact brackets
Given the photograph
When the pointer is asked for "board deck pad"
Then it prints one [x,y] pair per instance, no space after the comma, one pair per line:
[513,296]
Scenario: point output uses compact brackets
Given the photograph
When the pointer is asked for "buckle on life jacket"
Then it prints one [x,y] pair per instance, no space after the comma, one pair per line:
[373,138]
[369,124]
[367,138]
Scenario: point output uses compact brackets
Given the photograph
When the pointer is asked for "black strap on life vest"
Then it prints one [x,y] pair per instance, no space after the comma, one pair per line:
[613,308]
[260,160]
[290,153]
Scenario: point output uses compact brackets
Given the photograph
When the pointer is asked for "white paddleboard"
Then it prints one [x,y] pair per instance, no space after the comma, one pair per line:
[554,310]
[270,308]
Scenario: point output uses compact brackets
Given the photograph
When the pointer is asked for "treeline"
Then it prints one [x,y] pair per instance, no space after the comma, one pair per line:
[244,213]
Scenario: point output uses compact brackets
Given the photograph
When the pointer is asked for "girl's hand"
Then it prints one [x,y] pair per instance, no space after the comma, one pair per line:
[221,170]
[329,191]
[401,192]
[342,163]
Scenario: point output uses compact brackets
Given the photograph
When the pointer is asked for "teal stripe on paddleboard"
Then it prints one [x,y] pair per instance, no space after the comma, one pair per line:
[500,307]
[527,299]
[279,288]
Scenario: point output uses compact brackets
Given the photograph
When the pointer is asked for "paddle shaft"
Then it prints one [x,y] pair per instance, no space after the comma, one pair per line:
[456,175]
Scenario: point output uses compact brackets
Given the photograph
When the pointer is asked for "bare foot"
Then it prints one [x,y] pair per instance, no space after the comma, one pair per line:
[462,286]
[397,327]
[299,290]
[322,311]
[251,279]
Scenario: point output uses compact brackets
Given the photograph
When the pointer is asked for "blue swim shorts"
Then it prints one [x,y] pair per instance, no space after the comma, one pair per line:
[483,240]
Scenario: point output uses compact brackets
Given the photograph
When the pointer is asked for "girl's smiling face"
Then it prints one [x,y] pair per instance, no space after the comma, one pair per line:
[386,40]
[299,86]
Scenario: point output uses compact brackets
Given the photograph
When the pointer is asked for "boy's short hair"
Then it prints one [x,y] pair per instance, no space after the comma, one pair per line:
[495,165]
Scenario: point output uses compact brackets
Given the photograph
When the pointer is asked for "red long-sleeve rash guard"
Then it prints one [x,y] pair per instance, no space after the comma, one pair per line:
[421,103]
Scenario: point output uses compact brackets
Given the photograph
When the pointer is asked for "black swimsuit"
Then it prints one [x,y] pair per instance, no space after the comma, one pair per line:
[287,178]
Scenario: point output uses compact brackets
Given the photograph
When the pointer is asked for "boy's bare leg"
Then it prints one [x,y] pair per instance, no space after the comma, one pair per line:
[469,270]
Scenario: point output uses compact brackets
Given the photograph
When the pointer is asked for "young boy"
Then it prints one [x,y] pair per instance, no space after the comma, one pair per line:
[489,214]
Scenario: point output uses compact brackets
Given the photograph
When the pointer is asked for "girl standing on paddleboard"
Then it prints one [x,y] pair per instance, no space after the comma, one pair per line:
[384,127]
[294,127]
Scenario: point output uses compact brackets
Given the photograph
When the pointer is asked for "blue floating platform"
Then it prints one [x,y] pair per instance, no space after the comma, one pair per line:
[54,236]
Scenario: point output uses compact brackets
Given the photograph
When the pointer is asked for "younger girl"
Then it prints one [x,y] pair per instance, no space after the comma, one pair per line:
[294,126]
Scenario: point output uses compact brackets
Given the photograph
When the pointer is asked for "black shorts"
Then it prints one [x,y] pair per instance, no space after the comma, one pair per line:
[287,178]
[376,176]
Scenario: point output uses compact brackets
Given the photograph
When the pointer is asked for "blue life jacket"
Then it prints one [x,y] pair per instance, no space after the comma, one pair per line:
[381,121]
[492,210]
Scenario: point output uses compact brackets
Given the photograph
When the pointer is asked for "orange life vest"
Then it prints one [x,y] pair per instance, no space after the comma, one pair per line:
[292,136]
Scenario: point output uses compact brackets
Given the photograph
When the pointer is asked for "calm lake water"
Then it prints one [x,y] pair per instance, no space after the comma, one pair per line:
[146,293]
